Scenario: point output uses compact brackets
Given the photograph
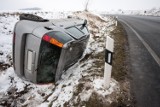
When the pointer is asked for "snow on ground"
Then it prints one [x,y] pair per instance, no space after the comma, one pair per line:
[77,84]
[148,12]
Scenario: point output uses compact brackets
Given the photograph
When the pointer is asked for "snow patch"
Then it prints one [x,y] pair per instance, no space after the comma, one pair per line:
[147,12]
[99,86]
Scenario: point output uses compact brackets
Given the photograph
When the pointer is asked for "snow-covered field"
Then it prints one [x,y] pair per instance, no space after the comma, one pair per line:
[77,84]
[148,12]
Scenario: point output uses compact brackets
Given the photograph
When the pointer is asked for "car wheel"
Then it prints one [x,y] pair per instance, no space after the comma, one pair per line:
[32,18]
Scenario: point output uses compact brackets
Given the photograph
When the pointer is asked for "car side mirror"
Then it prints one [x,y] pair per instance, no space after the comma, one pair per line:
[85,23]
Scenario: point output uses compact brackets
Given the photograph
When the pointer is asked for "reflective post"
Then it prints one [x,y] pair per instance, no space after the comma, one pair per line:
[116,21]
[108,61]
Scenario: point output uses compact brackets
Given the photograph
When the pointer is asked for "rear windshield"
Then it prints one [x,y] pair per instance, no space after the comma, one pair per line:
[48,60]
[75,32]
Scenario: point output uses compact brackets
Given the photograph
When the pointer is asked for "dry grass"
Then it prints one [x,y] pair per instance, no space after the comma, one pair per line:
[120,69]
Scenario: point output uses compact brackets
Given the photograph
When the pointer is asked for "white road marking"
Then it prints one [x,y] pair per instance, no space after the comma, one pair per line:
[153,54]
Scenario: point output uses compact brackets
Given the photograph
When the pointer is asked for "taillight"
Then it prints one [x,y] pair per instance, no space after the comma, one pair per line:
[52,41]
[46,38]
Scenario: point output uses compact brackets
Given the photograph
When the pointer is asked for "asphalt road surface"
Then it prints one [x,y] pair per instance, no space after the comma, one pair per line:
[144,47]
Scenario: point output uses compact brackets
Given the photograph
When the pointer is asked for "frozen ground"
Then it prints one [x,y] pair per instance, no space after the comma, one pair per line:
[148,12]
[78,85]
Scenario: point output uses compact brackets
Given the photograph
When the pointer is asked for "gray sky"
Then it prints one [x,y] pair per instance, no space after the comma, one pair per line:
[67,5]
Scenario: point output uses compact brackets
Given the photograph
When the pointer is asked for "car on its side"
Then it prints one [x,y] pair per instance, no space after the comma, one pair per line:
[43,49]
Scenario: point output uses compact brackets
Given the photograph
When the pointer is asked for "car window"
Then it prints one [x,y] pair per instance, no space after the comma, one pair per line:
[48,61]
[75,32]
[60,36]
[83,28]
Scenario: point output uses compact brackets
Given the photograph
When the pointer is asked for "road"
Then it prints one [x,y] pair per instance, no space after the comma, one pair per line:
[143,34]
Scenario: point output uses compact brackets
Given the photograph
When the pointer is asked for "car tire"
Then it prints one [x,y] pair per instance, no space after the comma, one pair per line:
[32,17]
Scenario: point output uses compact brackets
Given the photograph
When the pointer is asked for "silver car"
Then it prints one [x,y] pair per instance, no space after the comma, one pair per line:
[43,49]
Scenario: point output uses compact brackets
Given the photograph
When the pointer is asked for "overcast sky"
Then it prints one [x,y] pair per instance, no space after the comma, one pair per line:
[67,5]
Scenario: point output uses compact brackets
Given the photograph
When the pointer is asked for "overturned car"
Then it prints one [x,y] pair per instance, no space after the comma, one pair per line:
[43,49]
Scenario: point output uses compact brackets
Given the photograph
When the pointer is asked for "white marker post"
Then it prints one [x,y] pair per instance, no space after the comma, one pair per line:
[108,61]
[116,23]
[116,20]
